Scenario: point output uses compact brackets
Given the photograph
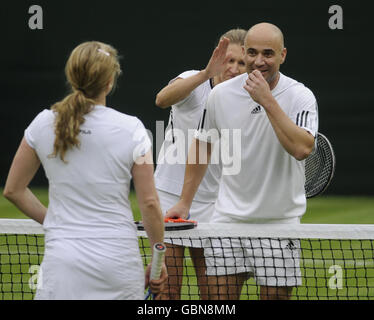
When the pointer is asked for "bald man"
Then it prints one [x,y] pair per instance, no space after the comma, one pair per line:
[277,118]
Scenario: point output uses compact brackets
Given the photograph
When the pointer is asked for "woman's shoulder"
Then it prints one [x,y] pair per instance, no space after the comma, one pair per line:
[44,117]
[122,119]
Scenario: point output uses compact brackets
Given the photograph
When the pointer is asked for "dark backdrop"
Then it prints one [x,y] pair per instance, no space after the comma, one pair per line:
[160,39]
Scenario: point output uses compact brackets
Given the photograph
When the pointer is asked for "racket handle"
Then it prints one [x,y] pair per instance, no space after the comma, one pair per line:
[157,258]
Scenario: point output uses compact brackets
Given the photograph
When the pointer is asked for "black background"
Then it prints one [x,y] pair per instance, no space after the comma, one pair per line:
[160,39]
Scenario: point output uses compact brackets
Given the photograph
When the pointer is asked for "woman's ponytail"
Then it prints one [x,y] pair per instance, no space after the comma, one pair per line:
[91,67]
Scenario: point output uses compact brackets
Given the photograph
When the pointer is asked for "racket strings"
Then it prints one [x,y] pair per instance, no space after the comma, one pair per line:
[319,168]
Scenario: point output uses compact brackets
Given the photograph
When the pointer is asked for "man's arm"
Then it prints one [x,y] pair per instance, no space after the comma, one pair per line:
[296,141]
[182,88]
[199,152]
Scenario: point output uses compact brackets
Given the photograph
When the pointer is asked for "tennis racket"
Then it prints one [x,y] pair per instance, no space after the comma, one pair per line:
[319,167]
[158,253]
[172,224]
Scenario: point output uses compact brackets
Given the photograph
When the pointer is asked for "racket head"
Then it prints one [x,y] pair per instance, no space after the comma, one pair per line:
[171,225]
[319,167]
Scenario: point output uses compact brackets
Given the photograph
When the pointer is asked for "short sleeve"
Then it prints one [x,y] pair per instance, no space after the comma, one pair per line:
[195,96]
[305,111]
[32,131]
[184,75]
[142,142]
[208,130]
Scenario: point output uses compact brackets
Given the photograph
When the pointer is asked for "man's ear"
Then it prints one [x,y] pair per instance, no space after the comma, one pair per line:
[283,55]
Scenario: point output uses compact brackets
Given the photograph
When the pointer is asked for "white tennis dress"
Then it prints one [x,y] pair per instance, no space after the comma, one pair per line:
[91,240]
[184,119]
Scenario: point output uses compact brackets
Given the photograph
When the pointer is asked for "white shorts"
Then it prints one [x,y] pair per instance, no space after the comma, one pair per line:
[272,262]
[91,269]
[199,211]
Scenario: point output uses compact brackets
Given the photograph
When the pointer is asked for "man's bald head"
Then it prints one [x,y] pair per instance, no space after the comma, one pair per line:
[267,32]
[264,51]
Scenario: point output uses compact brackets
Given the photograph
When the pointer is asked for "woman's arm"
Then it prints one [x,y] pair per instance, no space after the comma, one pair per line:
[149,205]
[24,166]
[194,174]
[179,89]
[182,88]
[146,194]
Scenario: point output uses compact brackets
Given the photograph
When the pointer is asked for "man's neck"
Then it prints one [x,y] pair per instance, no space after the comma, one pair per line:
[273,83]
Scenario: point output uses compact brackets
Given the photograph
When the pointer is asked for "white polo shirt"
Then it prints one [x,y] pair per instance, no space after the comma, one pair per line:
[270,183]
[171,164]
[88,195]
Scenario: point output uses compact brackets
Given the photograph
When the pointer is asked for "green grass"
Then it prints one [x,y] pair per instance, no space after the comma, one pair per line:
[320,210]
[340,210]
[15,263]
[9,211]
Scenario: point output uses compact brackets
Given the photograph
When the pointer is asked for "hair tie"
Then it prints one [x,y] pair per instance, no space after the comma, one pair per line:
[103,51]
[81,90]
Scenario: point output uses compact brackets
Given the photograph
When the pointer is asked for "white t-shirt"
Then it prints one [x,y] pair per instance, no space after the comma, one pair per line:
[88,195]
[183,121]
[270,182]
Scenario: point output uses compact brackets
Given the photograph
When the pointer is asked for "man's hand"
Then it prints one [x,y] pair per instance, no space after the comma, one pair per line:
[258,88]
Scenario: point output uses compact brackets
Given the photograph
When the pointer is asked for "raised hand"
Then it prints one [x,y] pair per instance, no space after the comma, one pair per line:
[219,59]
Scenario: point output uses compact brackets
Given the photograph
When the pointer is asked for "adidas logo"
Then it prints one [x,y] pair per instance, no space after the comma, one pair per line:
[290,246]
[256,110]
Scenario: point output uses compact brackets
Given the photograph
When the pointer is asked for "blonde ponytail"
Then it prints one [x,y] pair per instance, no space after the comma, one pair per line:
[90,68]
[69,117]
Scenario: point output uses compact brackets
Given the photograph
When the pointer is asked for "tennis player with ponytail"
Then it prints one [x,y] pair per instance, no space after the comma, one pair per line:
[89,153]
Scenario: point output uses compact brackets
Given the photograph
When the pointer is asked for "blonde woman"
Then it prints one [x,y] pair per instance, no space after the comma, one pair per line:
[186,95]
[89,153]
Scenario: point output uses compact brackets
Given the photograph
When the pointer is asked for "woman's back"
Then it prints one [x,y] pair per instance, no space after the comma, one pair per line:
[88,193]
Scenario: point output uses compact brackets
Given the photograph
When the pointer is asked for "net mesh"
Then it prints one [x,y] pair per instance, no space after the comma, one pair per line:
[20,257]
[323,262]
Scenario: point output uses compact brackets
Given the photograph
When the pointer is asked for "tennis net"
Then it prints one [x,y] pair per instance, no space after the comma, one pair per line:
[322,262]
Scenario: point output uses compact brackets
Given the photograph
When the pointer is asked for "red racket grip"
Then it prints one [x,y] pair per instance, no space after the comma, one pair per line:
[178,220]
